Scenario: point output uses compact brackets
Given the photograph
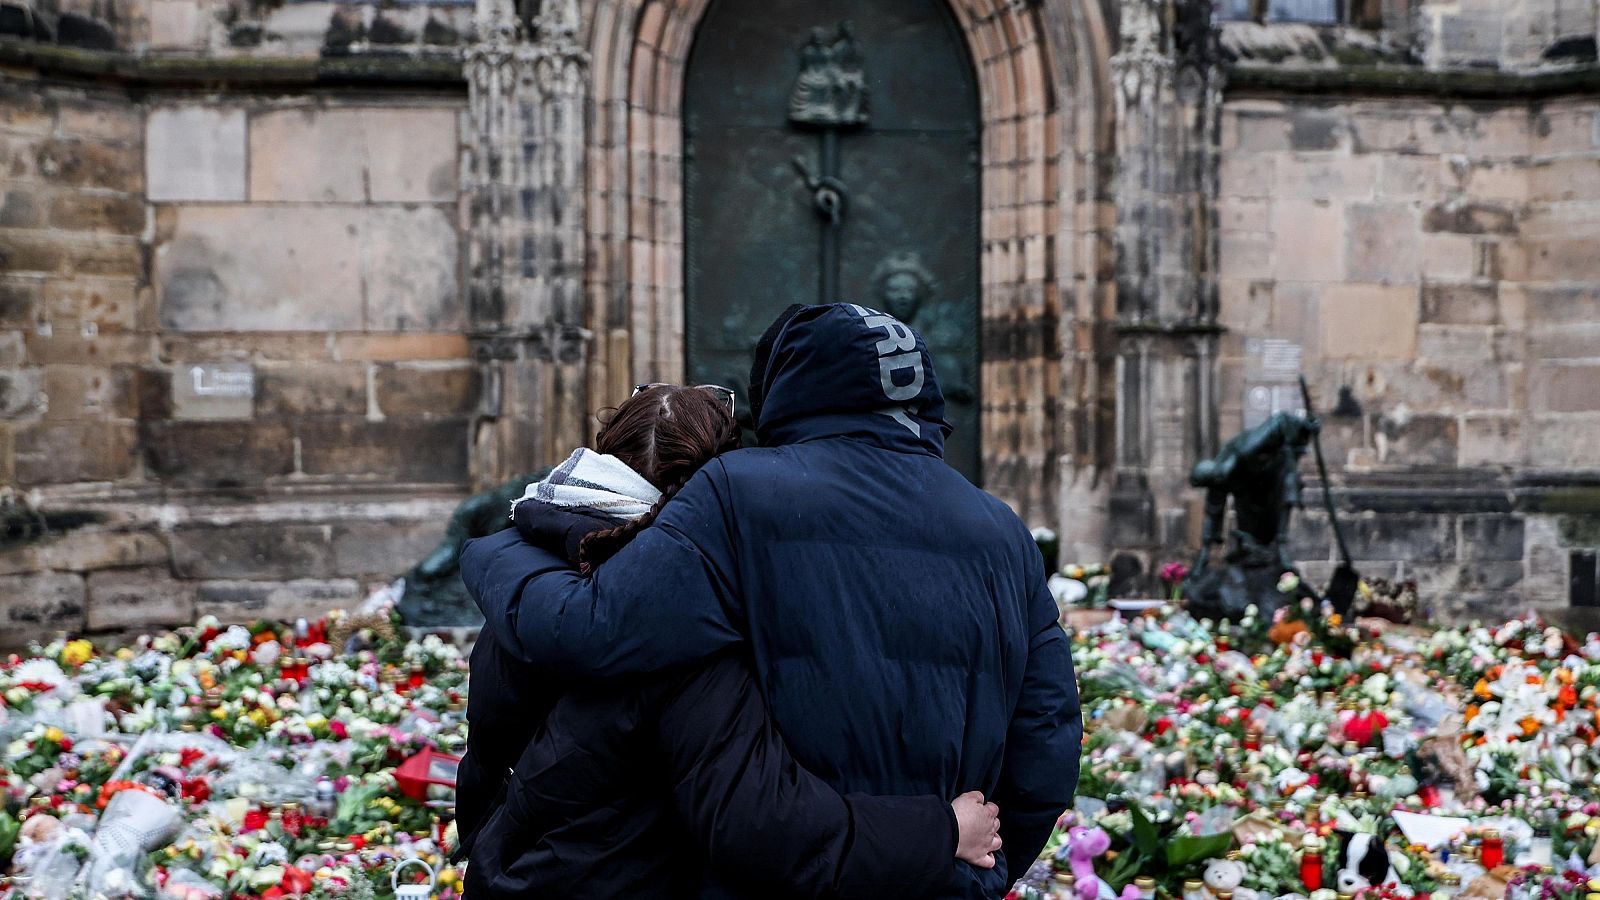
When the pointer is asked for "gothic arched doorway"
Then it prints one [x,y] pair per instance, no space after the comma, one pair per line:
[831,152]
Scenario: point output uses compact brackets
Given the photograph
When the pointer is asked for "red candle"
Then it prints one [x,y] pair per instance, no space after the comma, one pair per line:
[293,819]
[1311,864]
[1494,850]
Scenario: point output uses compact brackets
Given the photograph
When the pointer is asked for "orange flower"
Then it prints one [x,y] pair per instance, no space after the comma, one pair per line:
[1564,675]
[1530,726]
[111,788]
[1568,696]
[1470,714]
[1482,688]
[1284,632]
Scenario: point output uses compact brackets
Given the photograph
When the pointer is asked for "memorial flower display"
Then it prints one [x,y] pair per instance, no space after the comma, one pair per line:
[246,762]
[1304,755]
[1293,755]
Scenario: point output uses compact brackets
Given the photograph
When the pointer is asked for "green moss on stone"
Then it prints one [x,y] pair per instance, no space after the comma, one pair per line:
[436,69]
[1581,531]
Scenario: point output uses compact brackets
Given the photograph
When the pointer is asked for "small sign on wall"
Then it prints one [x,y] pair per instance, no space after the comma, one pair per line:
[1272,379]
[213,391]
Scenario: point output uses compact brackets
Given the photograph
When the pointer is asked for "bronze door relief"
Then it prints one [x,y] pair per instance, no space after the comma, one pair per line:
[831,154]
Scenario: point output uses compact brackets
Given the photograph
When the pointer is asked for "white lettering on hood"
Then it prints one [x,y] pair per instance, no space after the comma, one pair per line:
[897,353]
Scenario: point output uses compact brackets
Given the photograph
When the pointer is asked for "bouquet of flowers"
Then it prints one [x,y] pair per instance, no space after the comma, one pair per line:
[1257,741]
[218,762]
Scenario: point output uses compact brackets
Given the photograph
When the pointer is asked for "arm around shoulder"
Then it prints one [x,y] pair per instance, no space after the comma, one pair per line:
[665,599]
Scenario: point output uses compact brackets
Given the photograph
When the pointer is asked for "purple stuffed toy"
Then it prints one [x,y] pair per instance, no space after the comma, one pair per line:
[1083,845]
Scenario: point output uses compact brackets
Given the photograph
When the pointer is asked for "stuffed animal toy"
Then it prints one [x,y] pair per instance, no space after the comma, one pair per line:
[1363,863]
[1083,846]
[1226,875]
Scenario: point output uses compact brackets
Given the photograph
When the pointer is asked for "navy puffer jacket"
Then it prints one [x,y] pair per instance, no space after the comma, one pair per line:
[896,616]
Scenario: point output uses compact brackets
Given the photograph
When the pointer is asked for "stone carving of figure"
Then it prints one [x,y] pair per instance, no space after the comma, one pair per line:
[1260,469]
[831,89]
[905,289]
[850,88]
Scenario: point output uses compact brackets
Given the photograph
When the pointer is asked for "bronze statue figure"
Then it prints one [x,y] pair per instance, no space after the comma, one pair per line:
[434,594]
[1260,469]
[831,89]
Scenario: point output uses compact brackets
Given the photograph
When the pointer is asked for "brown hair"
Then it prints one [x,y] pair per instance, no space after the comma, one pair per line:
[665,433]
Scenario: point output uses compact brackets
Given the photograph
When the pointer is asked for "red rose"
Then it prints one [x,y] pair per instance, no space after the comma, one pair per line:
[196,789]
[338,729]
[1163,725]
[296,880]
[255,819]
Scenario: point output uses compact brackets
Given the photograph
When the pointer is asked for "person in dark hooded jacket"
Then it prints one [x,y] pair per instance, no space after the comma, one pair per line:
[897,617]
[672,785]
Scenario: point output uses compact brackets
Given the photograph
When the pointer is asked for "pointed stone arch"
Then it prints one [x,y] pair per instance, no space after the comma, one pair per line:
[1045,254]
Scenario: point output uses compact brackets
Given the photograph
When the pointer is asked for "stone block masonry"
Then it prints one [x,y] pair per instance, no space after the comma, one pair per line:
[270,272]
[236,295]
[137,564]
[231,344]
[1444,253]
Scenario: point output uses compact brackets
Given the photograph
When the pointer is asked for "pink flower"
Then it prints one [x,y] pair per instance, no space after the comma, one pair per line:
[338,729]
[1174,572]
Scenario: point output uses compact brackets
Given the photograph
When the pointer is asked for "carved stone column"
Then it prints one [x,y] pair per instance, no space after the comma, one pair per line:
[1167,87]
[524,190]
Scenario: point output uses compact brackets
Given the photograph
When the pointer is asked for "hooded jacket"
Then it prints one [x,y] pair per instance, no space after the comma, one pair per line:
[673,785]
[897,617]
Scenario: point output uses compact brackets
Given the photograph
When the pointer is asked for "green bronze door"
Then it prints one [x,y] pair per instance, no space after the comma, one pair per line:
[831,153]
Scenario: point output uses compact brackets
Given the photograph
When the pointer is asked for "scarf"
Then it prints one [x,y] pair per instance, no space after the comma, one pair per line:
[594,481]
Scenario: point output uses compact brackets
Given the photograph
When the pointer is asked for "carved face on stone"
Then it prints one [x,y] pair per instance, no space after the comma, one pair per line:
[902,294]
[903,286]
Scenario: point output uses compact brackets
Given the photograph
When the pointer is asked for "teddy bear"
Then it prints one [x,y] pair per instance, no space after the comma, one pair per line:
[1226,875]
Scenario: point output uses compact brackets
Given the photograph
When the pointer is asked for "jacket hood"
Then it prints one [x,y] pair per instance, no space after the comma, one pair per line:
[843,370]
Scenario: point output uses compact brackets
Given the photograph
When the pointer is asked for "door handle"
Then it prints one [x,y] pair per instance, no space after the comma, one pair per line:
[828,194]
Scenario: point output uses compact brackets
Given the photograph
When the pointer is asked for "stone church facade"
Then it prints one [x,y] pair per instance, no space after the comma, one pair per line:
[280,282]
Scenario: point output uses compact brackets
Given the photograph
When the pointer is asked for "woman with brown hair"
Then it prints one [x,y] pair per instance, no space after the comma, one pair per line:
[677,784]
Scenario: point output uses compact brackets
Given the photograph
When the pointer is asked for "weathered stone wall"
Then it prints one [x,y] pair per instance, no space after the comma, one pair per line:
[223,29]
[231,339]
[1440,262]
[240,282]
[1512,34]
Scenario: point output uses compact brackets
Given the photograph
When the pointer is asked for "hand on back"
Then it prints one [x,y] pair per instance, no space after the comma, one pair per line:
[978,824]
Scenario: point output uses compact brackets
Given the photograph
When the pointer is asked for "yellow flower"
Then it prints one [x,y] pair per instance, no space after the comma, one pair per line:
[76,653]
[447,876]
[54,735]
